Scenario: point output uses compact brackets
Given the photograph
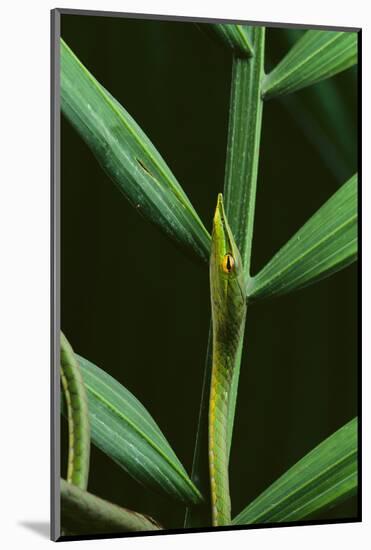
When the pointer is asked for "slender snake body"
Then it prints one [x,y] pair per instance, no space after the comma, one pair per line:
[228,304]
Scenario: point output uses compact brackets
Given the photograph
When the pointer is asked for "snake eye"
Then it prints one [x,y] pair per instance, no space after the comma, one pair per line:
[228,263]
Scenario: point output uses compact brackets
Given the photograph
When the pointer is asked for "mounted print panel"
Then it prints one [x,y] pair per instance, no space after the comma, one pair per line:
[205,199]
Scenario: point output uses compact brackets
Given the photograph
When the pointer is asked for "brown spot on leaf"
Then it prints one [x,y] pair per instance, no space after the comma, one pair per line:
[143,167]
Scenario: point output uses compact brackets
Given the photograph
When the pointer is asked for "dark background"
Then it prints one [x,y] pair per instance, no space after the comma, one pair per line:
[135,306]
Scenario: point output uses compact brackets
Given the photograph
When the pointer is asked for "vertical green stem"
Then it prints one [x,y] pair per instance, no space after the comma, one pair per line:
[245,116]
[78,417]
[244,130]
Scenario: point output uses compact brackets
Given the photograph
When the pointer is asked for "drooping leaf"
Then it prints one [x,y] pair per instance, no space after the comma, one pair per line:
[324,245]
[123,429]
[314,57]
[128,156]
[235,38]
[325,476]
[83,513]
[77,413]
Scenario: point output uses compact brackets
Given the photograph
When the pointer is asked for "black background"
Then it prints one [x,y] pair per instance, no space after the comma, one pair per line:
[135,306]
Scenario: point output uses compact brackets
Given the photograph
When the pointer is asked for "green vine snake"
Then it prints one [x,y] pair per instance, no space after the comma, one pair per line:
[228,306]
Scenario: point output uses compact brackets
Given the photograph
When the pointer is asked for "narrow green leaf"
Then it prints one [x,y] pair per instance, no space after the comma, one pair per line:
[235,38]
[77,413]
[123,429]
[324,245]
[314,57]
[85,513]
[322,113]
[128,156]
[323,117]
[324,477]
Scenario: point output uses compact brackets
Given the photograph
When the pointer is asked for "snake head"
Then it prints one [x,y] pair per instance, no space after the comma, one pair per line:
[226,268]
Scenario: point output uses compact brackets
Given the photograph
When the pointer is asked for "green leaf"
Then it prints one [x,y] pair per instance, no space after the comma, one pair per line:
[85,513]
[234,38]
[324,245]
[324,477]
[128,156]
[123,429]
[322,113]
[324,118]
[76,403]
[314,57]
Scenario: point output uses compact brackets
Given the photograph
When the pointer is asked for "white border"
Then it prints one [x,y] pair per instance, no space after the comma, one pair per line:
[25,261]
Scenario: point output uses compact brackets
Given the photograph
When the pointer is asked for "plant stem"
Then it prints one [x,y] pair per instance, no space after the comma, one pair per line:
[245,119]
[245,116]
[77,415]
[244,131]
[83,512]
